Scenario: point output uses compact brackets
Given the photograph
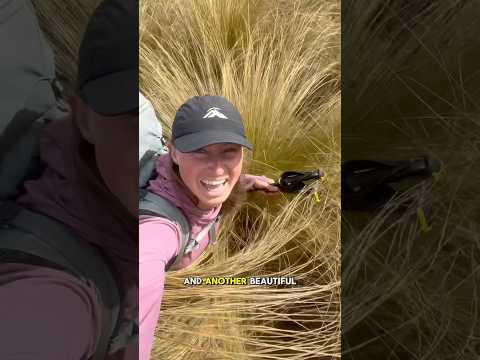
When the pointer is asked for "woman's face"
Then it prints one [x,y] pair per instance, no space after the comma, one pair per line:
[116,152]
[115,139]
[211,172]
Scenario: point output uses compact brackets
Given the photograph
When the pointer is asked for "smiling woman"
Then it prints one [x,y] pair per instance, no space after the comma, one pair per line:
[210,172]
[199,174]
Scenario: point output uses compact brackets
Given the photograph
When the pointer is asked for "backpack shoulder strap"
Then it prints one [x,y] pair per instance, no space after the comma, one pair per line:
[20,138]
[213,231]
[156,205]
[27,232]
[146,167]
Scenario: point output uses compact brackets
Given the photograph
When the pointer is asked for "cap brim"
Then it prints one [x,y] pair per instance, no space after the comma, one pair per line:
[112,94]
[193,142]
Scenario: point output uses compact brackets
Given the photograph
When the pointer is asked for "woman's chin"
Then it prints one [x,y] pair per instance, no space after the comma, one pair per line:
[209,202]
[212,199]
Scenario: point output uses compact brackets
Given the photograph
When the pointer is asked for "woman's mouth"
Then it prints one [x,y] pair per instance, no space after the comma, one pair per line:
[214,187]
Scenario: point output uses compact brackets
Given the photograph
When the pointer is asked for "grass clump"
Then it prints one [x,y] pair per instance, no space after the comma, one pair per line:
[278,62]
[410,89]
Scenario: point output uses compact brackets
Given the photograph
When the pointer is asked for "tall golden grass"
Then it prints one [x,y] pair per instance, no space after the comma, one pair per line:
[409,89]
[63,23]
[278,62]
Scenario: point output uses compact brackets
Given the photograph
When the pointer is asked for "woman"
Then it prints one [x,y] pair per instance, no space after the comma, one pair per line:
[199,175]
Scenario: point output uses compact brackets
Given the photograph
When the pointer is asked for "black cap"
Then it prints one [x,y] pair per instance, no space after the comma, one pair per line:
[207,120]
[108,58]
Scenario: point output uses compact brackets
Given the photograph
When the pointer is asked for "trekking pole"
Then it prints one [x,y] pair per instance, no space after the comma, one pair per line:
[367,184]
[294,181]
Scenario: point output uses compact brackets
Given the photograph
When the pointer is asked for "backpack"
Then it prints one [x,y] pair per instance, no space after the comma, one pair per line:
[150,137]
[151,146]
[155,205]
[33,238]
[31,98]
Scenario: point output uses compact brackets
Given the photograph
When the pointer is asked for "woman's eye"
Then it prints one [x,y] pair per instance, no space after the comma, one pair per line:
[230,154]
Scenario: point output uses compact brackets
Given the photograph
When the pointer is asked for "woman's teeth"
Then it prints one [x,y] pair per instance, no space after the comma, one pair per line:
[210,185]
[214,183]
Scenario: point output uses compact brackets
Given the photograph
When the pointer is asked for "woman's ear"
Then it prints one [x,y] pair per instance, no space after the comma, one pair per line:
[173,153]
[83,118]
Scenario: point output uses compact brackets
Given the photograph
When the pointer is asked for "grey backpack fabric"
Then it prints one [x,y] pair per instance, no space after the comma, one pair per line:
[27,98]
[150,136]
[26,61]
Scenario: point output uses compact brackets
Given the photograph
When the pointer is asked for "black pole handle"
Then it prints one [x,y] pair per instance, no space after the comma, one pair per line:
[294,181]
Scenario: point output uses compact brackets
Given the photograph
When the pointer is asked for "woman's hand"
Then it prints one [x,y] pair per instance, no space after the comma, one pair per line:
[258,183]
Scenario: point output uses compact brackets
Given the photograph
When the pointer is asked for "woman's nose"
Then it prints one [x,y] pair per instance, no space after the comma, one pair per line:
[217,166]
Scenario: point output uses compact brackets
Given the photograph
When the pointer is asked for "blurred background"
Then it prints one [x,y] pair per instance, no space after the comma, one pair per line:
[410,87]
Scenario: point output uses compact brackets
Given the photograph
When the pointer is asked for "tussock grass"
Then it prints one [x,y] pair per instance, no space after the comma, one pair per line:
[264,322]
[278,62]
[409,294]
[64,23]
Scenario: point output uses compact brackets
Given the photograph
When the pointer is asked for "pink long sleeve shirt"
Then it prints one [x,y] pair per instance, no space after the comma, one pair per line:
[47,313]
[159,241]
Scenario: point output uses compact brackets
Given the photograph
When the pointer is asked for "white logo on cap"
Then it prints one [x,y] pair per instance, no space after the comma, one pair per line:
[214,112]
